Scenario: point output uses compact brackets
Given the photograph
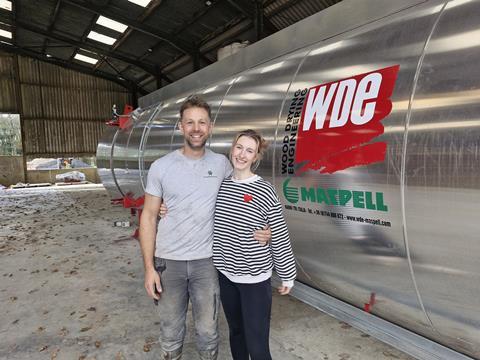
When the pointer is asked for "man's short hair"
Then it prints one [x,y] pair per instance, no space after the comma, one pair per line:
[195,101]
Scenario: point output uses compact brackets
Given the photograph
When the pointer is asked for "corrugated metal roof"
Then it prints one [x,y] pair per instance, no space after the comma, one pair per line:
[159,37]
[284,13]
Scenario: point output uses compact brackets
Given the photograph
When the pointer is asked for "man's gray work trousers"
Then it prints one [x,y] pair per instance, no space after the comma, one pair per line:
[197,281]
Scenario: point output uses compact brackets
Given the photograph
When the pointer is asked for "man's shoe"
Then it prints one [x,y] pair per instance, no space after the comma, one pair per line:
[171,355]
[209,354]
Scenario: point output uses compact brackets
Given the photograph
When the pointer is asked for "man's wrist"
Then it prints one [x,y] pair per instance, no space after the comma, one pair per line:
[149,266]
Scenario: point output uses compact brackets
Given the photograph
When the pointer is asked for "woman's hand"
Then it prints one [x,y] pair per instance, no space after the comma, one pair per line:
[284,290]
[263,236]
[163,210]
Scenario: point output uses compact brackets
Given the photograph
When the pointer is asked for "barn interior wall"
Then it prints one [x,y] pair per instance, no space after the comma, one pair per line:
[62,112]
[11,170]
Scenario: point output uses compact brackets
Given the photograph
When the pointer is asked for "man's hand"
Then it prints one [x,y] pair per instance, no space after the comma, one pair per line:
[163,210]
[263,236]
[152,284]
[283,290]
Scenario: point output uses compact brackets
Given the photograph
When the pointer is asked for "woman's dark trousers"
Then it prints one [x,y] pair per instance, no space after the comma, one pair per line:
[247,308]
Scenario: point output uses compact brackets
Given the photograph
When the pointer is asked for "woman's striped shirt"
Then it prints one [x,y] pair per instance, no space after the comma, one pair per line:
[242,207]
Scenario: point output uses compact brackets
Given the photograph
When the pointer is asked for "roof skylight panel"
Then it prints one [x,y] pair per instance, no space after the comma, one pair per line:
[86,59]
[111,24]
[143,3]
[101,38]
[6,5]
[5,34]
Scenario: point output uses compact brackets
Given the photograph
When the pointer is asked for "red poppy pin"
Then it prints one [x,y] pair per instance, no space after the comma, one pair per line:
[247,197]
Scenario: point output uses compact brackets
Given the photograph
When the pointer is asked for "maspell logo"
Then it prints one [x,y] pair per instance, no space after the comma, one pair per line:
[340,119]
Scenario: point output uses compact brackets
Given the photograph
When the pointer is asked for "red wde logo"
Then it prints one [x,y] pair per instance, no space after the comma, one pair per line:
[340,118]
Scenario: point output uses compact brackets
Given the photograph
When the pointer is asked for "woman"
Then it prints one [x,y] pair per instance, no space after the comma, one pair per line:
[247,202]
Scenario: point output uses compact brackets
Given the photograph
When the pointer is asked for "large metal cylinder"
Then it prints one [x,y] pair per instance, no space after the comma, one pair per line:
[380,202]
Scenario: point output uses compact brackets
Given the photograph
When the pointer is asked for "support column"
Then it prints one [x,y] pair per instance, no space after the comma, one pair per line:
[134,95]
[19,106]
[158,76]
[196,60]
[258,20]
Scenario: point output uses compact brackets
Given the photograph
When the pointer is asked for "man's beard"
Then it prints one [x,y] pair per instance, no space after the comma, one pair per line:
[196,147]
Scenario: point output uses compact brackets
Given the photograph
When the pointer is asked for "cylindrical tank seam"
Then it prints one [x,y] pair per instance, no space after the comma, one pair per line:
[141,146]
[220,107]
[404,160]
[112,169]
[280,116]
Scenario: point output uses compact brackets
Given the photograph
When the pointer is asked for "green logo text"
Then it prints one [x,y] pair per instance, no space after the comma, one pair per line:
[336,197]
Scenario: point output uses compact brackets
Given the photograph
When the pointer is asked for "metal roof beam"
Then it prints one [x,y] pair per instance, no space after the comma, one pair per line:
[113,67]
[143,78]
[136,25]
[84,36]
[85,46]
[220,32]
[6,17]
[72,66]
[53,18]
[254,12]
[284,7]
[196,17]
[219,36]
[157,73]
[149,10]
[258,21]
[15,7]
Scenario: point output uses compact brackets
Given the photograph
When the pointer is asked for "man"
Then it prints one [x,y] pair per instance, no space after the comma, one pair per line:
[177,254]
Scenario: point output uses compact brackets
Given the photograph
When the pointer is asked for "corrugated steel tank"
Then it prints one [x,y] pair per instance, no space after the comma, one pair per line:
[406,231]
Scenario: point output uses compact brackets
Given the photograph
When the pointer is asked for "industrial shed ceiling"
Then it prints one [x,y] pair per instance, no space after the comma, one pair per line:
[141,44]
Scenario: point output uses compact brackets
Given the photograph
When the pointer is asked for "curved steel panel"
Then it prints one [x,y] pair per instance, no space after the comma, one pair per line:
[442,172]
[160,133]
[133,154]
[104,156]
[132,184]
[119,155]
[253,102]
[343,255]
[158,138]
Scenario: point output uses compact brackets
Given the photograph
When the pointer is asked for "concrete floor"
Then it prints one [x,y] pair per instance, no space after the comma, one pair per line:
[71,287]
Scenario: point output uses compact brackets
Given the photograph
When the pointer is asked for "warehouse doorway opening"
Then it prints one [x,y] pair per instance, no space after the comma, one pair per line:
[12,168]
[10,135]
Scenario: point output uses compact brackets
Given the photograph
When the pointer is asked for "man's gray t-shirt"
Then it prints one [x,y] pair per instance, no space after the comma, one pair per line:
[189,189]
